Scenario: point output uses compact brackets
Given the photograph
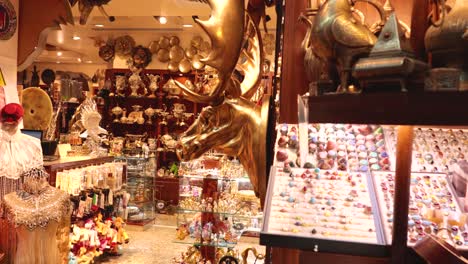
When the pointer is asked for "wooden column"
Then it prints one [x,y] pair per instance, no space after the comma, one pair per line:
[402,194]
[419,25]
[293,81]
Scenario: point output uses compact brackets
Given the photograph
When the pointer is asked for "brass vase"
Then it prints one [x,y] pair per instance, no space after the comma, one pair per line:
[446,43]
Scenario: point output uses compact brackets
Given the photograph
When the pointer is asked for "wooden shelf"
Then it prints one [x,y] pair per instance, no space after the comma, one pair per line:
[66,163]
[412,108]
[74,162]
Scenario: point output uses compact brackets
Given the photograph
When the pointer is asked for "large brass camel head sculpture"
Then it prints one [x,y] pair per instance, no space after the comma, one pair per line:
[232,123]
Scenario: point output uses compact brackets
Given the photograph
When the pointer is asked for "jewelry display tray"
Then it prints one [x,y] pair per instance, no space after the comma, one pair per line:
[448,191]
[317,242]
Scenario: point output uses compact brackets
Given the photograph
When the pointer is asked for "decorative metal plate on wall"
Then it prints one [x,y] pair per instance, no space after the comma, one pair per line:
[8,20]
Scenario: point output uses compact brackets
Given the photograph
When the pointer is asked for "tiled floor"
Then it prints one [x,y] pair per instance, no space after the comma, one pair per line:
[155,244]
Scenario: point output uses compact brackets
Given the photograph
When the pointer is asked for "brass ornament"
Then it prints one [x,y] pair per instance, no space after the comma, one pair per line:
[174,41]
[86,7]
[232,123]
[185,66]
[141,57]
[154,47]
[163,55]
[447,39]
[164,42]
[245,255]
[107,52]
[196,42]
[197,64]
[190,52]
[124,45]
[391,51]
[176,53]
[173,66]
[205,46]
[339,37]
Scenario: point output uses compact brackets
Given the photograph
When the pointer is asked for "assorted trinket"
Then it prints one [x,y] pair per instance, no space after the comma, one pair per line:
[432,208]
[434,150]
[322,204]
[353,148]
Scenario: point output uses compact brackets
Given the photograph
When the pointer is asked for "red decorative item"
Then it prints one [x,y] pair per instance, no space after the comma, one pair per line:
[12,112]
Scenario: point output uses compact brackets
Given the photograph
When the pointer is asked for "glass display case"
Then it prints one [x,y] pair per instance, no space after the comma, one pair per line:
[140,186]
[339,197]
[217,204]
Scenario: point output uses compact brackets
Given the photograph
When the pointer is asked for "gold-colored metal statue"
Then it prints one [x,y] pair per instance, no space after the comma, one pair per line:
[245,254]
[339,38]
[232,124]
[87,6]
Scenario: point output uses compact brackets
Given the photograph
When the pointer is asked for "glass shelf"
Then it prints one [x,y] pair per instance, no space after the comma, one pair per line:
[140,203]
[195,176]
[193,211]
[233,214]
[191,241]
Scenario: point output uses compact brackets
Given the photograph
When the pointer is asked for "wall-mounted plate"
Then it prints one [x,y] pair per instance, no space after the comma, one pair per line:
[8,20]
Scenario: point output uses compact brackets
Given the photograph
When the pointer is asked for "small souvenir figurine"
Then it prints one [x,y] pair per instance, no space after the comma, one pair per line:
[135,81]
[206,233]
[120,83]
[209,208]
[182,232]
[203,205]
[154,84]
[122,236]
[90,119]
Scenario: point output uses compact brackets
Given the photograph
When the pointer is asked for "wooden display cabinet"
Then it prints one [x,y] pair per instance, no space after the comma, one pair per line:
[404,109]
[166,189]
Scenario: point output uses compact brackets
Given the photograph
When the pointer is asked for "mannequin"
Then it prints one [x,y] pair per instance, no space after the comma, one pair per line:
[39,216]
[18,154]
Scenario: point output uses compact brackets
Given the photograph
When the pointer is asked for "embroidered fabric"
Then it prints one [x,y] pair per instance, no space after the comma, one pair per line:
[18,154]
[36,210]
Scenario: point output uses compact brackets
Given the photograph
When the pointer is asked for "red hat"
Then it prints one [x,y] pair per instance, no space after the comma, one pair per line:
[11,112]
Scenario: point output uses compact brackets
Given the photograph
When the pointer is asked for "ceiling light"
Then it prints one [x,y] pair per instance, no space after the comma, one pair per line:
[59,53]
[162,20]
[88,61]
[187,25]
[79,59]
[58,62]
[76,38]
[99,25]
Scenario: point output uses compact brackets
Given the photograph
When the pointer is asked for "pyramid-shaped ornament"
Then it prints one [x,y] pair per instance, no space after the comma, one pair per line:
[391,65]
[392,40]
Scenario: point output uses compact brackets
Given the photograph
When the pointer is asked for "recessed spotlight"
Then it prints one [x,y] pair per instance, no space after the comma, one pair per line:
[78,59]
[88,61]
[187,25]
[76,38]
[59,53]
[58,62]
[162,20]
[99,25]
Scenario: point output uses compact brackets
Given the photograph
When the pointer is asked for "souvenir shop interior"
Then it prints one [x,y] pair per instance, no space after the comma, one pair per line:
[233,131]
